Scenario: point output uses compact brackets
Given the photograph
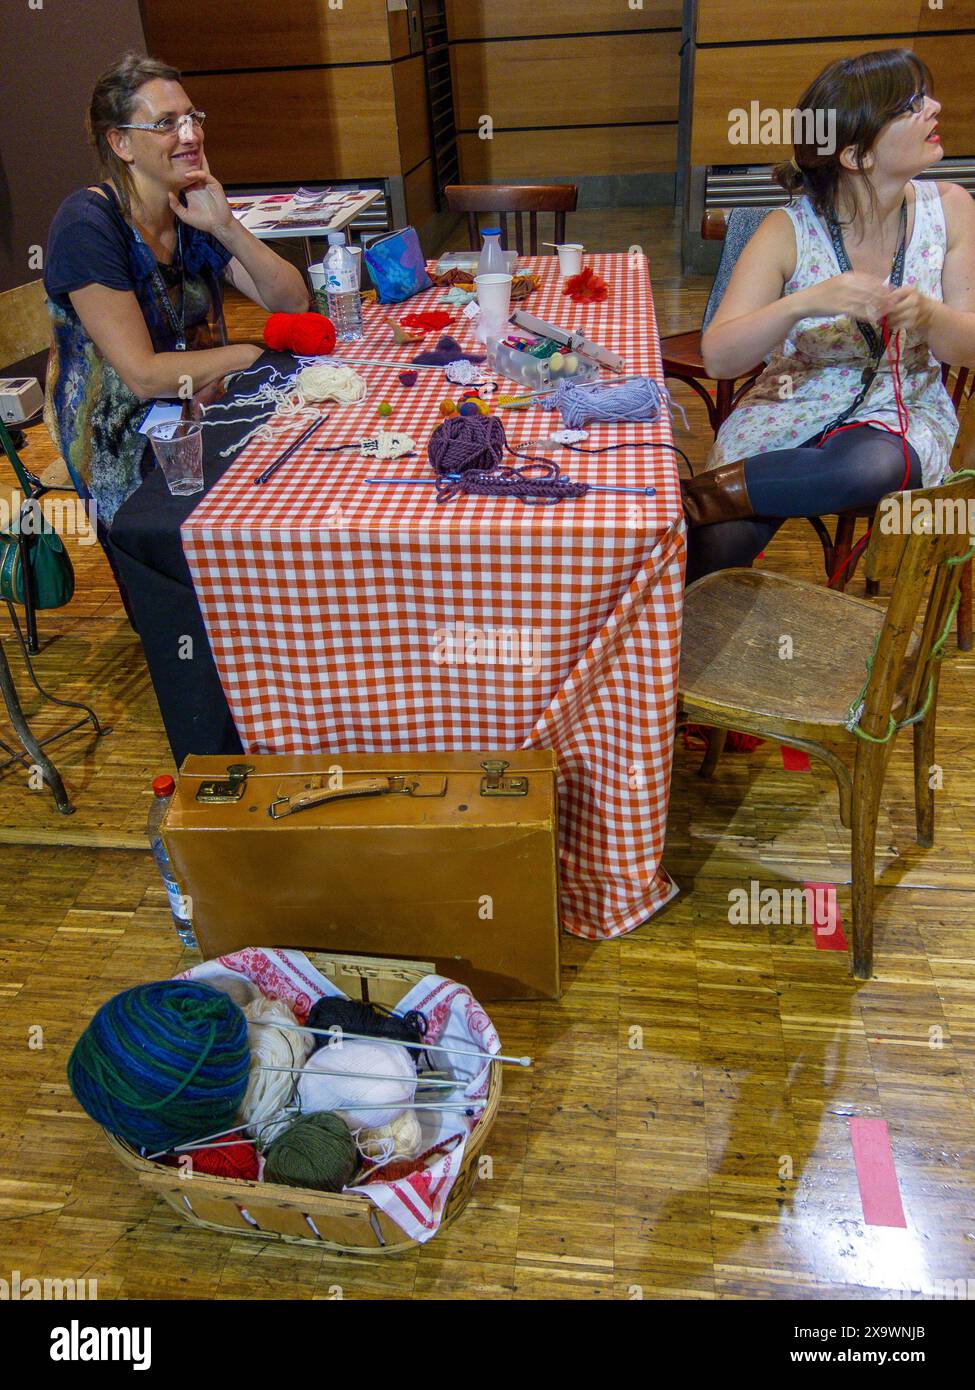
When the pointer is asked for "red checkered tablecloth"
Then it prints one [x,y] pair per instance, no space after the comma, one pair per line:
[349,618]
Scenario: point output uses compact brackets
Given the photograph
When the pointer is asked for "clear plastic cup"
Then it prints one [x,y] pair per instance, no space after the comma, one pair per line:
[494,297]
[178,446]
[570,259]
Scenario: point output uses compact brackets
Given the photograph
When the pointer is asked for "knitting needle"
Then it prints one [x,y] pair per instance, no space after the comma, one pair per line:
[217,1134]
[283,458]
[360,1076]
[339,1032]
[449,477]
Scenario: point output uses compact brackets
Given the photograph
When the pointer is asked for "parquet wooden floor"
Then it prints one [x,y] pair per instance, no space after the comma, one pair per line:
[712,1162]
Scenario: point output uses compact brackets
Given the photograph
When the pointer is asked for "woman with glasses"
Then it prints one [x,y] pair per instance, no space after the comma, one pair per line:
[133,276]
[867,249]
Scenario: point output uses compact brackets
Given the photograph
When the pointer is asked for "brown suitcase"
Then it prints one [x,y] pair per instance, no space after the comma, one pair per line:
[450,858]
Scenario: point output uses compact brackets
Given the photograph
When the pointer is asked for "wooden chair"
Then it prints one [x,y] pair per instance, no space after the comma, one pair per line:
[514,200]
[732,677]
[24,331]
[681,352]
[838,547]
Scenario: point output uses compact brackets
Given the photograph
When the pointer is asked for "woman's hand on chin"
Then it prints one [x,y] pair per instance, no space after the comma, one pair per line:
[206,207]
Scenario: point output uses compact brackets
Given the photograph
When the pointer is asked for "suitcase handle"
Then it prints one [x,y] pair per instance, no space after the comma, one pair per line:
[287,805]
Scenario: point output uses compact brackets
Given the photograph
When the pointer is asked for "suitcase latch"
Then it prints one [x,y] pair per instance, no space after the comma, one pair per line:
[497,784]
[230,790]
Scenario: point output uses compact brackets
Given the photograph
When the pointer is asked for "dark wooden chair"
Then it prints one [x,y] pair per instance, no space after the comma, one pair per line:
[681,352]
[513,199]
[731,676]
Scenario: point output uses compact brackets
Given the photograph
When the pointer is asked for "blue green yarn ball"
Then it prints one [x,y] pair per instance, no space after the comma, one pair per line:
[163,1063]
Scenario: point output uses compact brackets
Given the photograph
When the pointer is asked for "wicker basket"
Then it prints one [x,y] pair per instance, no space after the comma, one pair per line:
[342,1221]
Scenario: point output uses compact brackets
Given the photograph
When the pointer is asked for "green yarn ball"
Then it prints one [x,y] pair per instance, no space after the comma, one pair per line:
[316,1151]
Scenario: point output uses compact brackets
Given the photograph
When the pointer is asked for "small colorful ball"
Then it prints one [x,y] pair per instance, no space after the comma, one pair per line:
[556,363]
[570,363]
[482,406]
[470,408]
[385,408]
[448,407]
[468,394]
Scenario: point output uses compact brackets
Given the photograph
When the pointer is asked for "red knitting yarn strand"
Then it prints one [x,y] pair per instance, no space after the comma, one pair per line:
[902,421]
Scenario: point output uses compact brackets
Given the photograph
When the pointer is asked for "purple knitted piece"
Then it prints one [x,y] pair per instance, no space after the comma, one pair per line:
[543,490]
[447,350]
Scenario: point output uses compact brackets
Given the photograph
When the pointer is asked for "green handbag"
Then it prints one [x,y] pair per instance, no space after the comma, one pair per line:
[50,564]
[49,561]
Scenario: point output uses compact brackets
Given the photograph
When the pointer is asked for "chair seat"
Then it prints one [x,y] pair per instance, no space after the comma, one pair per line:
[734,623]
[682,352]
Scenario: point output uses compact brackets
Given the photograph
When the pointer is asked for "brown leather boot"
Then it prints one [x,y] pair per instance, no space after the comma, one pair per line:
[719,494]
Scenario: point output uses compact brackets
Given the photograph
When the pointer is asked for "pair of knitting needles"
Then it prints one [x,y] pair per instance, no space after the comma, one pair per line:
[337,1032]
[455,477]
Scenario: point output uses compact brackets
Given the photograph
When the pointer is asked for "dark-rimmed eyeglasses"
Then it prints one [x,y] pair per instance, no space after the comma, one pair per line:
[169,125]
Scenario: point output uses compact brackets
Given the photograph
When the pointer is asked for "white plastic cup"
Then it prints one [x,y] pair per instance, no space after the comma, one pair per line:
[570,259]
[316,277]
[494,298]
[178,447]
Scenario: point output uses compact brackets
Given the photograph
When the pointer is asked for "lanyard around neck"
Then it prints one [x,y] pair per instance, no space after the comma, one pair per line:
[176,321]
[871,337]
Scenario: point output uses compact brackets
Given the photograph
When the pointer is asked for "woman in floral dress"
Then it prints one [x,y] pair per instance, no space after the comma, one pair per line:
[867,250]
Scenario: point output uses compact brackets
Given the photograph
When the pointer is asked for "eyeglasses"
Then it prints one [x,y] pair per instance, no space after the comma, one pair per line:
[916,104]
[169,125]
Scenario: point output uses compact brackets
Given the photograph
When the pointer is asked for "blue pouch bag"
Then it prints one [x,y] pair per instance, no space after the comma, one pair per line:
[397,266]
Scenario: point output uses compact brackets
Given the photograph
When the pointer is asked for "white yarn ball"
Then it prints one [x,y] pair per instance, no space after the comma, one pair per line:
[402,1139]
[270,1092]
[319,1091]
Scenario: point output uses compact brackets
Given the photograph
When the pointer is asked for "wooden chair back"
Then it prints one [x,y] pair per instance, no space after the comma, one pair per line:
[918,541]
[24,325]
[512,200]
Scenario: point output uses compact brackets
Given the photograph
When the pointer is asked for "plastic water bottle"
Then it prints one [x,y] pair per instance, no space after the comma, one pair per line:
[162,794]
[342,289]
[492,261]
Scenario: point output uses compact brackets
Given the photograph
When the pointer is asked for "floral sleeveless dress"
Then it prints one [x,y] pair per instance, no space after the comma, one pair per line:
[822,359]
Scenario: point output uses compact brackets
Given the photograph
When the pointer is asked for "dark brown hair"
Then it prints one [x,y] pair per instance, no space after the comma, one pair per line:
[113,103]
[863,93]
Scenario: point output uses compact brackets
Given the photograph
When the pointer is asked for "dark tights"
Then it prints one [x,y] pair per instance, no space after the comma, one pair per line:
[852,469]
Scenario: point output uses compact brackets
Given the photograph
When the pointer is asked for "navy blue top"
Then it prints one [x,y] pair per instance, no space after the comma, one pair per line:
[91,411]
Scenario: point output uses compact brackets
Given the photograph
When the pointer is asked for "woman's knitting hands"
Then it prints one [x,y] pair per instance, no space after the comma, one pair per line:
[910,310]
[206,207]
[855,293]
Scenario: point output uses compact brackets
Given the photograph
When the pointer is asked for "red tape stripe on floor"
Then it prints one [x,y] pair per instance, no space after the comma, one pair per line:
[825,917]
[794,759]
[879,1192]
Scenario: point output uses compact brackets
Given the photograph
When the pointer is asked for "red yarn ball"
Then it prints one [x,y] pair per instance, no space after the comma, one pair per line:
[308,335]
[239,1161]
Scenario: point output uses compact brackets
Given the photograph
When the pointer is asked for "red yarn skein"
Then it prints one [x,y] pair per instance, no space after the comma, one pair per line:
[239,1161]
[308,335]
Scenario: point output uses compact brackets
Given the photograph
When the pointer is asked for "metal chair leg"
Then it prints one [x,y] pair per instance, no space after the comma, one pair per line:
[39,758]
[90,714]
[30,612]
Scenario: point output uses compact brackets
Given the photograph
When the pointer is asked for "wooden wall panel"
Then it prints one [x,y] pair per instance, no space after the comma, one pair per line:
[492,19]
[555,82]
[294,126]
[524,156]
[410,89]
[421,204]
[776,75]
[221,35]
[730,21]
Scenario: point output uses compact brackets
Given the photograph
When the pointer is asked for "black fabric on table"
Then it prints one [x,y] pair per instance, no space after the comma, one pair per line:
[146,545]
